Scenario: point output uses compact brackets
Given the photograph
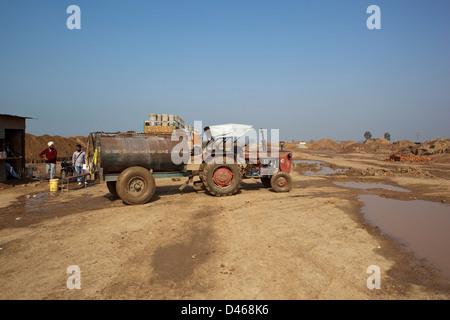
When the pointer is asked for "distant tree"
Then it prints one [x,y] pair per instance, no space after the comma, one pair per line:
[367,135]
[387,136]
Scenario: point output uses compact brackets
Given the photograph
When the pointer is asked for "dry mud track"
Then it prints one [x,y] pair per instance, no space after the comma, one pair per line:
[310,243]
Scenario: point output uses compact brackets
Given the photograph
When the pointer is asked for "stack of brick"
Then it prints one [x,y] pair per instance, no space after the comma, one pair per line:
[409,158]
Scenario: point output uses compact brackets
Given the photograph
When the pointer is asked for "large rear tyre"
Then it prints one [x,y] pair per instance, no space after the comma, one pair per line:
[135,185]
[266,181]
[281,182]
[201,172]
[222,179]
[112,188]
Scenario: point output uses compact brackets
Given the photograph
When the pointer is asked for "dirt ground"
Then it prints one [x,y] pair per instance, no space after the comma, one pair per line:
[310,243]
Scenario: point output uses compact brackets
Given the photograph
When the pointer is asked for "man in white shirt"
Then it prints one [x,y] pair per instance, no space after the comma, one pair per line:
[78,160]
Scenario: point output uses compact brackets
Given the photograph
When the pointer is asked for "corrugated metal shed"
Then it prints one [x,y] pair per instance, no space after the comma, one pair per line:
[12,129]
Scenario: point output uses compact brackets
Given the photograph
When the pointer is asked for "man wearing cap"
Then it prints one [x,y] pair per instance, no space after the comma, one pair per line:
[49,155]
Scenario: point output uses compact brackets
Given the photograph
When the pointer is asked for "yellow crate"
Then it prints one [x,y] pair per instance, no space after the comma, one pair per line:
[159,129]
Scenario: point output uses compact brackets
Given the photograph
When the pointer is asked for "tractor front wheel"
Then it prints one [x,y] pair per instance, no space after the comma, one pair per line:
[281,182]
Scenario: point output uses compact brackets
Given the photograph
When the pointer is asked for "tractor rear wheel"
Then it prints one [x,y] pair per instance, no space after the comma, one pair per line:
[222,179]
[266,181]
[135,185]
[201,172]
[112,188]
[281,182]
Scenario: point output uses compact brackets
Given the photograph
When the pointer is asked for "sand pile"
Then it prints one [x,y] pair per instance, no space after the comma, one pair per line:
[379,141]
[396,172]
[324,144]
[405,147]
[65,146]
[290,145]
[378,145]
[351,147]
[346,143]
[436,146]
[381,146]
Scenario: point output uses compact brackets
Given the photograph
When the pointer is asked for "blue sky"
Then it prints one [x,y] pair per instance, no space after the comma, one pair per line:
[308,67]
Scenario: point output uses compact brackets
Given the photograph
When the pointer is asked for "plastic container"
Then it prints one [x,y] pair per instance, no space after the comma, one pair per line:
[54,183]
[28,172]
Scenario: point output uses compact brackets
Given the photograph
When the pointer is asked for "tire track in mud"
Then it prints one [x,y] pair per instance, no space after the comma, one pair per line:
[170,267]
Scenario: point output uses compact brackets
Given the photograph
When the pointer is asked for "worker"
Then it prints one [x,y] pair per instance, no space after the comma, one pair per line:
[10,171]
[6,148]
[49,155]
[78,160]
[3,152]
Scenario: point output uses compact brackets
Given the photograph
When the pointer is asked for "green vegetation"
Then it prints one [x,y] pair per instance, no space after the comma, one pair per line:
[367,135]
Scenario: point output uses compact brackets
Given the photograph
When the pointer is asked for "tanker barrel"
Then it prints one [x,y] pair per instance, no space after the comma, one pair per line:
[119,152]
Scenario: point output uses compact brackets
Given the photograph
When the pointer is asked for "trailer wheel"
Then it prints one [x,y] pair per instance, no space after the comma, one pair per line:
[266,181]
[222,179]
[281,182]
[112,188]
[135,185]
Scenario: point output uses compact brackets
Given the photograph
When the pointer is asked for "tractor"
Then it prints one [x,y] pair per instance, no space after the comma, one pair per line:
[227,161]
[130,162]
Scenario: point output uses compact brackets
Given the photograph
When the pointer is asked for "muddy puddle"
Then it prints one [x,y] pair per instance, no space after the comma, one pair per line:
[35,207]
[323,171]
[32,202]
[422,226]
[312,167]
[307,162]
[366,186]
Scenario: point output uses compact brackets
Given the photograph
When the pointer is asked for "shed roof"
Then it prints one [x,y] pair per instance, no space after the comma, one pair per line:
[13,116]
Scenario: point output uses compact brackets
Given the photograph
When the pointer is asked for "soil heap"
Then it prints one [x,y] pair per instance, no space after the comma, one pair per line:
[324,144]
[378,145]
[436,146]
[65,146]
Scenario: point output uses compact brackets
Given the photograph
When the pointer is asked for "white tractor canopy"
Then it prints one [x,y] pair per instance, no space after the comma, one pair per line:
[225,131]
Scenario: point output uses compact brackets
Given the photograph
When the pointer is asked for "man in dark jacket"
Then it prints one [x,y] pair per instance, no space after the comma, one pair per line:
[49,155]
